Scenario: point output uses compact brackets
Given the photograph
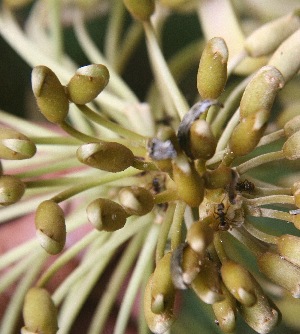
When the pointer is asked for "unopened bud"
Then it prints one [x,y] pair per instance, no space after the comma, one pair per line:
[11,189]
[15,4]
[291,148]
[289,247]
[296,193]
[140,9]
[50,226]
[219,177]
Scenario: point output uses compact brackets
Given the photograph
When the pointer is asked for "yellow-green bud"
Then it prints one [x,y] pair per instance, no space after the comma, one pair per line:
[289,247]
[281,272]
[296,193]
[15,146]
[15,4]
[50,94]
[239,282]
[287,57]
[212,71]
[268,37]
[106,215]
[136,200]
[108,156]
[218,178]
[291,148]
[50,226]
[292,126]
[140,9]
[87,83]
[11,189]
[39,312]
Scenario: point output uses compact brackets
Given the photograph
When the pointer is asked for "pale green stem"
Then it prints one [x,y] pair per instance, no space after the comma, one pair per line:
[106,302]
[176,228]
[271,137]
[219,247]
[63,141]
[272,191]
[270,213]
[260,235]
[56,34]
[235,61]
[259,160]
[271,199]
[55,182]
[77,134]
[166,196]
[136,279]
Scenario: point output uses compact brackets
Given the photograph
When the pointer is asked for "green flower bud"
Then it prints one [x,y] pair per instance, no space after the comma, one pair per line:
[261,91]
[292,126]
[212,71]
[200,235]
[158,323]
[11,189]
[87,83]
[140,9]
[202,141]
[207,284]
[268,37]
[291,148]
[106,215]
[239,282]
[50,226]
[108,156]
[296,193]
[287,57]
[281,272]
[218,178]
[39,312]
[50,95]
[15,146]
[136,200]
[289,247]
[190,186]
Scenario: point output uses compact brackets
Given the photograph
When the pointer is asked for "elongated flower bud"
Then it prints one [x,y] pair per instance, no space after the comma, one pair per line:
[50,95]
[212,71]
[109,156]
[218,178]
[136,200]
[106,215]
[39,312]
[291,148]
[140,9]
[11,189]
[87,83]
[50,226]
[268,37]
[289,247]
[281,272]
[15,146]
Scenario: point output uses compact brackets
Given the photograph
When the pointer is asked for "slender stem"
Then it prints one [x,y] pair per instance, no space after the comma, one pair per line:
[176,228]
[77,134]
[166,196]
[64,141]
[235,61]
[56,27]
[270,213]
[219,247]
[260,235]
[271,199]
[271,137]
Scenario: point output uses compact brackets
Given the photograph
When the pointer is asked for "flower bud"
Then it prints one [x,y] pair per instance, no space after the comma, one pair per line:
[292,126]
[200,235]
[268,37]
[287,57]
[291,148]
[239,282]
[15,146]
[50,95]
[296,193]
[50,226]
[108,156]
[218,178]
[140,9]
[289,247]
[212,71]
[207,284]
[11,189]
[15,4]
[190,186]
[106,215]
[136,200]
[39,312]
[87,83]
[281,272]
[158,323]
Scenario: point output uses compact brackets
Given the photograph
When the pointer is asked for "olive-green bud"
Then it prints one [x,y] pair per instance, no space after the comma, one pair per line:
[39,312]
[50,94]
[212,71]
[136,200]
[291,148]
[261,91]
[106,215]
[292,126]
[296,193]
[200,235]
[140,9]
[157,323]
[87,83]
[11,189]
[281,272]
[239,282]
[207,284]
[190,186]
[268,37]
[15,4]
[218,178]
[15,146]
[287,57]
[202,141]
[108,156]
[50,226]
[289,247]
[263,316]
